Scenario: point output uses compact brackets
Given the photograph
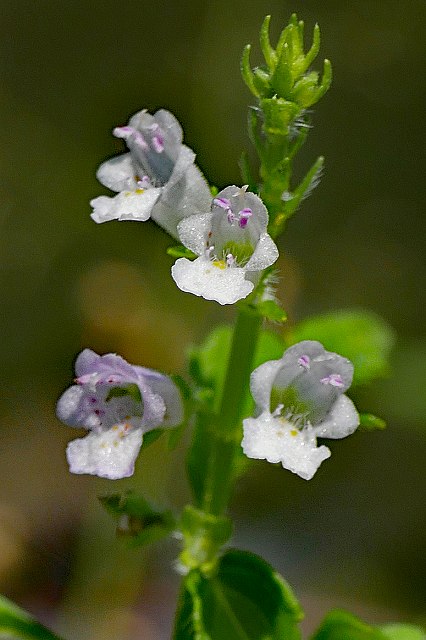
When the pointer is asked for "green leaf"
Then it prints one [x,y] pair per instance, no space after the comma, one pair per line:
[341,625]
[268,52]
[16,623]
[246,71]
[369,422]
[271,310]
[403,632]
[137,521]
[313,51]
[244,600]
[179,251]
[362,336]
[305,188]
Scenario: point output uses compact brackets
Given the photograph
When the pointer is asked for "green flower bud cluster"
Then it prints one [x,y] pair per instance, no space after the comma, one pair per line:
[286,76]
[285,89]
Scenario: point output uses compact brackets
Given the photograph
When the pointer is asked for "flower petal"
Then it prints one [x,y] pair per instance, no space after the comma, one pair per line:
[273,440]
[89,362]
[309,383]
[185,194]
[118,174]
[164,387]
[261,382]
[238,219]
[193,232]
[341,421]
[127,205]
[202,278]
[265,254]
[105,454]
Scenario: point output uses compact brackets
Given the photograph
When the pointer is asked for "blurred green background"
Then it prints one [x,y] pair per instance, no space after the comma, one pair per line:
[353,536]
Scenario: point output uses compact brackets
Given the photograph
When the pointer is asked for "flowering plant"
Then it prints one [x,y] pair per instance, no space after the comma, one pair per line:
[254,393]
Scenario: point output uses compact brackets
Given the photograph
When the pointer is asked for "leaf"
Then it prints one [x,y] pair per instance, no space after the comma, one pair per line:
[305,188]
[341,625]
[244,600]
[369,422]
[179,251]
[362,336]
[136,519]
[403,632]
[271,310]
[16,623]
[268,52]
[246,71]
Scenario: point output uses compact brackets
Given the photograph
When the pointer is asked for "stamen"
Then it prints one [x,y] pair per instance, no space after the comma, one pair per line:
[277,411]
[123,132]
[126,132]
[230,260]
[223,203]
[334,379]
[144,183]
[140,140]
[304,362]
[244,215]
[208,252]
[158,143]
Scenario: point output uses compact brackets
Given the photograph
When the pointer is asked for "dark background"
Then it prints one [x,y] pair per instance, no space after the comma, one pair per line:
[353,536]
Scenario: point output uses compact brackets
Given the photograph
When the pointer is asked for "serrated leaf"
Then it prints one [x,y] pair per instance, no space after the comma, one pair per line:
[136,519]
[403,632]
[341,625]
[245,600]
[362,336]
[179,251]
[16,623]
[370,422]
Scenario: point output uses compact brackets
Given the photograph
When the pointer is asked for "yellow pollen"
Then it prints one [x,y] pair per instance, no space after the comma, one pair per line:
[115,427]
[140,191]
[294,432]
[220,264]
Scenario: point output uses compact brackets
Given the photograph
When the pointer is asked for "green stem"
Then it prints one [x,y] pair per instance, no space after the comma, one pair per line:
[225,433]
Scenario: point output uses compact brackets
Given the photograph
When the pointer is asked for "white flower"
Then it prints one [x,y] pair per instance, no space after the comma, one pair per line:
[299,398]
[157,179]
[232,245]
[117,403]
